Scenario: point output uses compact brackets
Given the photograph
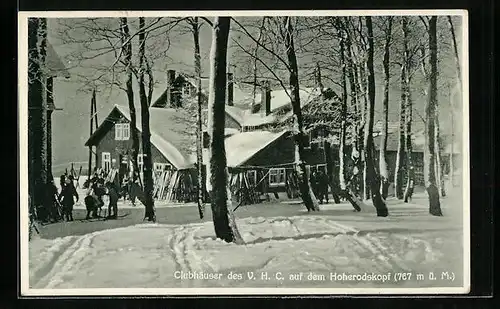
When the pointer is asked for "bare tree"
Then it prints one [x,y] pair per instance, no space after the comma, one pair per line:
[459,78]
[455,51]
[430,122]
[384,172]
[146,132]
[223,217]
[280,32]
[373,177]
[127,60]
[37,109]
[195,29]
[304,186]
[408,112]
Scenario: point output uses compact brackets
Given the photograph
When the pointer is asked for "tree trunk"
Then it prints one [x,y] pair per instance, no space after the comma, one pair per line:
[400,157]
[37,104]
[430,122]
[343,116]
[408,118]
[355,140]
[223,217]
[362,129]
[439,166]
[452,142]
[50,100]
[127,52]
[199,120]
[146,131]
[372,176]
[34,102]
[459,78]
[455,50]
[304,186]
[89,171]
[384,172]
[330,170]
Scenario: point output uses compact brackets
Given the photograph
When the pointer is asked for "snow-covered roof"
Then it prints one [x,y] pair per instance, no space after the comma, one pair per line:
[243,146]
[392,126]
[281,98]
[170,133]
[279,101]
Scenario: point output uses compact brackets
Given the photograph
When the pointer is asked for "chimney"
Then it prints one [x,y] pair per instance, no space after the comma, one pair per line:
[230,89]
[265,105]
[170,82]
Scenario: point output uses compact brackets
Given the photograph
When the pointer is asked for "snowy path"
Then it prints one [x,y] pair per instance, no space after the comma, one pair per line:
[158,255]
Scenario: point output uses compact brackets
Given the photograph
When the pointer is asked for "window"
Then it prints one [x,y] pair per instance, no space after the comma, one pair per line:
[252,177]
[186,90]
[122,131]
[140,162]
[277,177]
[160,167]
[106,161]
[316,138]
[321,167]
[307,140]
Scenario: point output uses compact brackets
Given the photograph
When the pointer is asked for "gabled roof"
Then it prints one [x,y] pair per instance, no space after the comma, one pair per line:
[280,108]
[241,93]
[171,132]
[243,146]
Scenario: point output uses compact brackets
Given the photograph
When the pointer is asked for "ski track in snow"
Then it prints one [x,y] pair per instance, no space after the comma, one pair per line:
[53,274]
[63,260]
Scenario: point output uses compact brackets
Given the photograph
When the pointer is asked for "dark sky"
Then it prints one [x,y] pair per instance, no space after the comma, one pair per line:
[71,125]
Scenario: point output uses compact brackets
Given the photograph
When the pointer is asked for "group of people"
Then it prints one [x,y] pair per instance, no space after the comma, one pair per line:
[98,186]
[319,185]
[58,205]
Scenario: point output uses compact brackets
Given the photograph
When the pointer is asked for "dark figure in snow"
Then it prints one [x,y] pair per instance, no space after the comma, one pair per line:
[314,183]
[113,200]
[99,191]
[52,201]
[322,187]
[133,188]
[68,191]
[91,204]
[62,180]
[125,188]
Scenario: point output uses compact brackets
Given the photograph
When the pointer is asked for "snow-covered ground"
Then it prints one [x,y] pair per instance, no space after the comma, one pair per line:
[403,250]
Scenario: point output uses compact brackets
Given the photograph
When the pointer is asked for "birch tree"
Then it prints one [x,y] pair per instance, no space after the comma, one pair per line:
[460,89]
[430,123]
[146,131]
[373,177]
[280,32]
[304,186]
[384,172]
[195,28]
[223,217]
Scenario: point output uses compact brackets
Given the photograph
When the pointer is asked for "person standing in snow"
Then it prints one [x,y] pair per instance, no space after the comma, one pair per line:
[113,200]
[322,187]
[314,183]
[51,195]
[66,197]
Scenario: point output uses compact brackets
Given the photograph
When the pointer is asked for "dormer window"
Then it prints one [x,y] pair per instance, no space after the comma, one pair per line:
[122,131]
